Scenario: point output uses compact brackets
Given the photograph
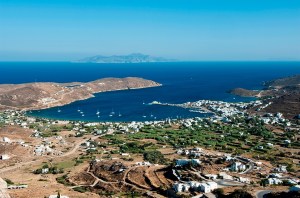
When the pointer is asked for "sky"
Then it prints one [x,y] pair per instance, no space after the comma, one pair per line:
[191,30]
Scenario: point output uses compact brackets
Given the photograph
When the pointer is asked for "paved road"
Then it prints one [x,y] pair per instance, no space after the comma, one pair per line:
[261,193]
[226,183]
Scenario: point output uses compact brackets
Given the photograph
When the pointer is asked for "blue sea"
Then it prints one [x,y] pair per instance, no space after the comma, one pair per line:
[182,82]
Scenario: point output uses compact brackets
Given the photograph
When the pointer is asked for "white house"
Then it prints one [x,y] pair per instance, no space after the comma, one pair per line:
[281,169]
[274,181]
[275,175]
[287,141]
[6,139]
[180,187]
[244,180]
[195,185]
[205,188]
[208,187]
[237,167]
[4,157]
[270,144]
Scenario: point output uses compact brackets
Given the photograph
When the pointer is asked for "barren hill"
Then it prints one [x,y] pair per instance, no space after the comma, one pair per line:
[44,95]
[282,82]
[284,93]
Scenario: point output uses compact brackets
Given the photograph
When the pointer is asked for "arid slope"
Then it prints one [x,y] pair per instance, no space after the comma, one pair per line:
[44,95]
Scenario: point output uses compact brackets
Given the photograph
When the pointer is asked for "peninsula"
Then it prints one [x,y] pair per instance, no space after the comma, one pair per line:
[43,95]
[280,95]
[131,58]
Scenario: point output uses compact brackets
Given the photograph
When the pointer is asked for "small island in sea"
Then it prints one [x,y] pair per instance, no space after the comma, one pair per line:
[43,95]
[131,58]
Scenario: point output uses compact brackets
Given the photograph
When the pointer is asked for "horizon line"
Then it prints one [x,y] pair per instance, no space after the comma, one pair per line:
[176,61]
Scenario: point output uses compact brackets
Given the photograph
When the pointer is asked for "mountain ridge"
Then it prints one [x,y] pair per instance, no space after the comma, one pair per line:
[130,58]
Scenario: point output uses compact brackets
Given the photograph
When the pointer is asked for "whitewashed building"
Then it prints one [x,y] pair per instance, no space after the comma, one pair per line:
[274,181]
[237,167]
[4,157]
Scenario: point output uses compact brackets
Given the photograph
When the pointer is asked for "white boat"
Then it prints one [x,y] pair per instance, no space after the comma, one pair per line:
[120,114]
[98,112]
[58,110]
[82,115]
[155,102]
[112,113]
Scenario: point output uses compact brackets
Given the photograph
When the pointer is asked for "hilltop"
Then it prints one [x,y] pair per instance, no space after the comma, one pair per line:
[283,82]
[131,58]
[48,94]
[282,95]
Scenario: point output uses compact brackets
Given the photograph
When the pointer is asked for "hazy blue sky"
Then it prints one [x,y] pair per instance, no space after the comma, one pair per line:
[181,29]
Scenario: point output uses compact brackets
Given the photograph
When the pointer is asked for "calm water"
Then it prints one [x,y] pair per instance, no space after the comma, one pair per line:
[182,82]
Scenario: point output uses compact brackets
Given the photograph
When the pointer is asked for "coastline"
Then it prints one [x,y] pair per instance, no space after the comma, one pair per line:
[48,95]
[44,108]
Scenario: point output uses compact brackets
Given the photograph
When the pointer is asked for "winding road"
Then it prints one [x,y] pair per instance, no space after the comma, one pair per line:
[262,193]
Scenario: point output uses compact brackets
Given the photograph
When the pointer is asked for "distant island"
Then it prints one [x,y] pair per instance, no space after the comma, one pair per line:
[280,95]
[30,96]
[131,58]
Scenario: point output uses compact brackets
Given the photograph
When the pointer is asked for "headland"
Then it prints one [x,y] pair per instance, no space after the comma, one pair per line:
[32,96]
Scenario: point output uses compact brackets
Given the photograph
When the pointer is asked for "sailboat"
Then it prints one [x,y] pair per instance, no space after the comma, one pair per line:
[112,113]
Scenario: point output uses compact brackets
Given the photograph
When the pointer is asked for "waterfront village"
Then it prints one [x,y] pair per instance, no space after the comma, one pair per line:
[208,156]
